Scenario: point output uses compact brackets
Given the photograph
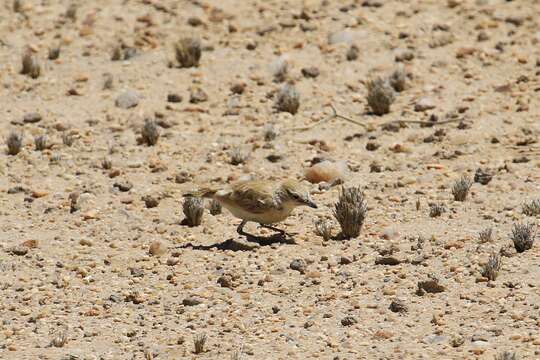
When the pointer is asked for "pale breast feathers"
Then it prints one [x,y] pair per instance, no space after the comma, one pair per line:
[255,196]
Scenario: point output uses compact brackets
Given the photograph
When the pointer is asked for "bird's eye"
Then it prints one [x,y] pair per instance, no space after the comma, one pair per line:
[296,196]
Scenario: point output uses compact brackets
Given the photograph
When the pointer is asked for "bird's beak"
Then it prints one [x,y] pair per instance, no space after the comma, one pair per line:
[311,204]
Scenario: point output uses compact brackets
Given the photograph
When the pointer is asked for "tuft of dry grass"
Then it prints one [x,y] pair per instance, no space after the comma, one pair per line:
[17,6]
[67,139]
[150,132]
[461,188]
[41,142]
[71,12]
[54,53]
[237,355]
[106,163]
[492,267]
[398,80]
[485,235]
[199,341]
[380,96]
[280,70]
[507,355]
[270,132]
[287,99]
[215,207]
[350,211]
[188,52]
[193,208]
[14,143]
[238,155]
[323,228]
[60,339]
[352,53]
[523,236]
[30,65]
[531,208]
[436,210]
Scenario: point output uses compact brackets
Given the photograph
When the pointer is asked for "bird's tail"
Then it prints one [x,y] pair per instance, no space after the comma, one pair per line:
[204,192]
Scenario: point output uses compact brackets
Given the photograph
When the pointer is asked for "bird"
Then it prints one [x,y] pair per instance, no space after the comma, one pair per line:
[261,201]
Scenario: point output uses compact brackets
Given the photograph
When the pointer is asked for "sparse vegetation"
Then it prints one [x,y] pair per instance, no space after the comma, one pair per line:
[188,52]
[380,96]
[287,99]
[67,139]
[350,211]
[270,132]
[485,235]
[106,163]
[323,228]
[215,207]
[352,53]
[398,80]
[523,236]
[461,188]
[492,267]
[237,355]
[238,155]
[507,355]
[41,142]
[280,70]
[199,341]
[193,210]
[30,65]
[150,132]
[436,210]
[531,208]
[54,53]
[14,143]
[60,339]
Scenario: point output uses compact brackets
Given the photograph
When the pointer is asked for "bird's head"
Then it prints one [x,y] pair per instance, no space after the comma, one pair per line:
[296,194]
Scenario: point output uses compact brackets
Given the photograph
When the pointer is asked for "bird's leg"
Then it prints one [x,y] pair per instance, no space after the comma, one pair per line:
[282,232]
[240,228]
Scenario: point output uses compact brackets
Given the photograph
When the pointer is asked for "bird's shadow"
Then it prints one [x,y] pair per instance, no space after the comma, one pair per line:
[247,242]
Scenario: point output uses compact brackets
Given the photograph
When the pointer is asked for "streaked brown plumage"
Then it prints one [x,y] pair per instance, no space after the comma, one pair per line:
[260,201]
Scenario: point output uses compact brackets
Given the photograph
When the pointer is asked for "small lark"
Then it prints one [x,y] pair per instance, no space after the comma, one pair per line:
[260,201]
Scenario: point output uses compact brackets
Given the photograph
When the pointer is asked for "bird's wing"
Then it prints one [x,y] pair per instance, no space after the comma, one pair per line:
[254,196]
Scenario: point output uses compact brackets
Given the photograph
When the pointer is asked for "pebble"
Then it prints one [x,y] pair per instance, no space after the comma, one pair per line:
[32,118]
[349,321]
[340,37]
[387,260]
[156,248]
[197,95]
[150,201]
[398,306]
[327,171]
[123,185]
[18,250]
[192,301]
[429,286]
[127,99]
[424,104]
[299,265]
[310,72]
[174,98]
[225,281]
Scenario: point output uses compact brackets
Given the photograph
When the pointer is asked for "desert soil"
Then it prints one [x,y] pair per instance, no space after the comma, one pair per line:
[90,270]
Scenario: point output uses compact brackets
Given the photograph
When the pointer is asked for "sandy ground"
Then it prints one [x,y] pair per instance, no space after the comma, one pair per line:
[86,274]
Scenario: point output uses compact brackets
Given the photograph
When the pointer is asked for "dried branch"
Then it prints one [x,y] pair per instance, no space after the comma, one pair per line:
[336,115]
